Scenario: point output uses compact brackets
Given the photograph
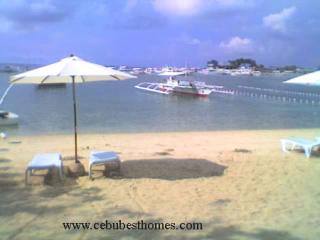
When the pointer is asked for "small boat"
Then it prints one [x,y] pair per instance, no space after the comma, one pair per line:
[137,71]
[51,85]
[187,87]
[8,118]
[174,86]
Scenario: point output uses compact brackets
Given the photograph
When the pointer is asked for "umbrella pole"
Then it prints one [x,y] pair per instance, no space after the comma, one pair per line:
[75,120]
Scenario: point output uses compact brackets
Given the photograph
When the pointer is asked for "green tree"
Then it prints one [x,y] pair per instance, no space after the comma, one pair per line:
[241,61]
[213,63]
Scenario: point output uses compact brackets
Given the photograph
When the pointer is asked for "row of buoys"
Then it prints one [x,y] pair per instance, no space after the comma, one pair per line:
[224,91]
[277,97]
[306,94]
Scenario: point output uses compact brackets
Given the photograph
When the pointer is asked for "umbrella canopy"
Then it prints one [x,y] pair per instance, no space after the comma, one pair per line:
[70,70]
[61,72]
[307,79]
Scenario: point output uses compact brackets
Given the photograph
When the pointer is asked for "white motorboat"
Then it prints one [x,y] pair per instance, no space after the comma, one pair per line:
[137,71]
[174,86]
[186,87]
[8,118]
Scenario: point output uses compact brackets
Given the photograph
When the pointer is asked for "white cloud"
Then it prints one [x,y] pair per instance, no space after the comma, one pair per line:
[179,7]
[194,41]
[234,3]
[189,40]
[24,15]
[5,25]
[195,7]
[130,4]
[238,44]
[278,21]
[43,6]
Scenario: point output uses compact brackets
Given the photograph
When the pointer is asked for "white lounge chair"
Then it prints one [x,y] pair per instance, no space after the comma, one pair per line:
[44,161]
[103,158]
[306,145]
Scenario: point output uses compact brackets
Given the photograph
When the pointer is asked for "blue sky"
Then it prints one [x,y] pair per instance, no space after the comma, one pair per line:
[161,32]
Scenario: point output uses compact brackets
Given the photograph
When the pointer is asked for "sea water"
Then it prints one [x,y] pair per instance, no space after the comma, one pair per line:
[116,106]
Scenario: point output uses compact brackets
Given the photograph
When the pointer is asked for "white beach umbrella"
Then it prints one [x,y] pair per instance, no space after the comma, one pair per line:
[70,70]
[306,79]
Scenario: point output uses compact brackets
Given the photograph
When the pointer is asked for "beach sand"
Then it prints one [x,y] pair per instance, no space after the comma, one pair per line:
[239,184]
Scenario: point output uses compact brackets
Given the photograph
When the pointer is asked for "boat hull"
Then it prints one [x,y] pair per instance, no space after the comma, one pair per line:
[202,92]
[52,85]
[9,119]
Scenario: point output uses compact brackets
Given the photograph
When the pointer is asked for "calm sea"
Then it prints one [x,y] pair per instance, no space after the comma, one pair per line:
[116,106]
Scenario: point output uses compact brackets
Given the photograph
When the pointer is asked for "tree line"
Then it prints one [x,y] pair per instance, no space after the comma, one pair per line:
[236,63]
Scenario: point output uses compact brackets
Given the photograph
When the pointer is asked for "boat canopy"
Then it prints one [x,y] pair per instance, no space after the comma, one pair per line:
[171,73]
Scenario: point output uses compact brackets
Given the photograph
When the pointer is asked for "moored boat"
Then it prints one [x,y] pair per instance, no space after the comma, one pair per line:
[8,118]
[175,86]
[186,87]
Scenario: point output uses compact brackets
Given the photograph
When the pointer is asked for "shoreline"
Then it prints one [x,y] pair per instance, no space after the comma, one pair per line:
[237,181]
[70,133]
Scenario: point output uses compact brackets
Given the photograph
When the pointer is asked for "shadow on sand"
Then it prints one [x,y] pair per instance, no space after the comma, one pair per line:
[171,169]
[44,203]
[314,153]
[7,177]
[156,230]
[235,232]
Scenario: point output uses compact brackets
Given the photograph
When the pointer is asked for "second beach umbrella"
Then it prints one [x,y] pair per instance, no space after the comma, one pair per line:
[306,79]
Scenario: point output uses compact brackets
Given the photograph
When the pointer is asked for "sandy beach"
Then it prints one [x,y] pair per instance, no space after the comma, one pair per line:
[239,184]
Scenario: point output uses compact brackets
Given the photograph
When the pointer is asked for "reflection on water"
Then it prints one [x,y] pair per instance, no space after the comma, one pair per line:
[116,106]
